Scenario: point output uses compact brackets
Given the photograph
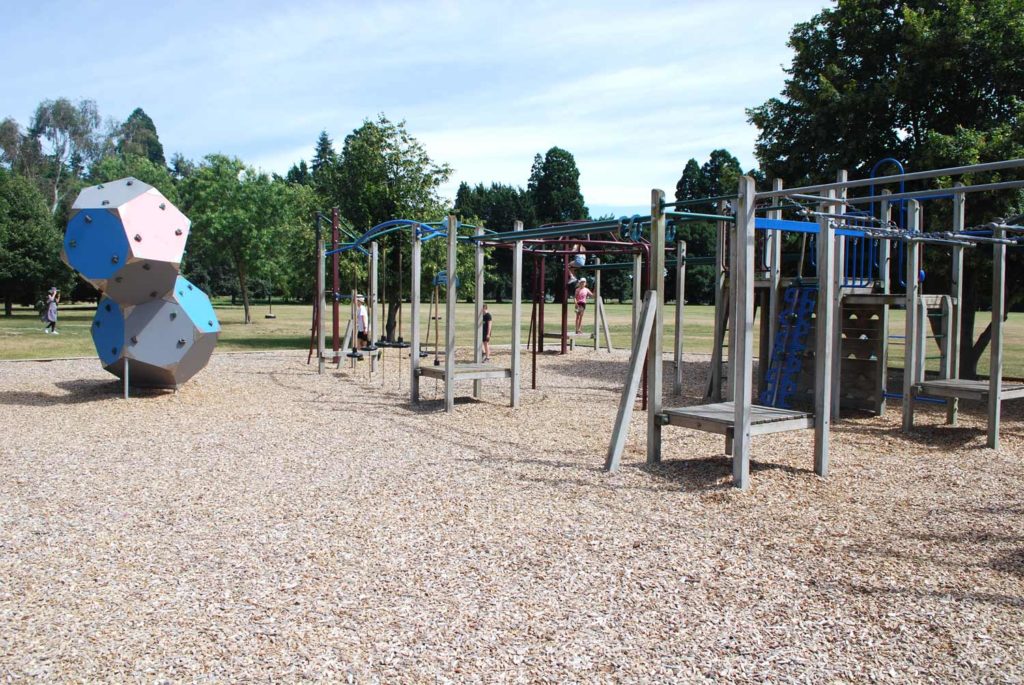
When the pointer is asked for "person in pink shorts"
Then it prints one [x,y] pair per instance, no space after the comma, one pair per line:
[582,294]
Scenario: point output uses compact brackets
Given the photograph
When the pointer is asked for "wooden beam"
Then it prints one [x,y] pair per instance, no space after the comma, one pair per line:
[677,348]
[321,300]
[825,325]
[635,371]
[478,304]
[911,341]
[414,300]
[654,361]
[371,296]
[956,291]
[451,294]
[741,357]
[597,309]
[995,373]
[884,266]
[517,313]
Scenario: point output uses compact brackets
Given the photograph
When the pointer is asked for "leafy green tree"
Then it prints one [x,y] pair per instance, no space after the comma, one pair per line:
[137,136]
[498,206]
[324,167]
[299,173]
[556,188]
[931,82]
[383,173]
[29,243]
[239,219]
[114,167]
[69,138]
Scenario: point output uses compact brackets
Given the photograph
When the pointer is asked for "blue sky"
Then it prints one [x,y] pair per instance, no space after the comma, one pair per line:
[633,89]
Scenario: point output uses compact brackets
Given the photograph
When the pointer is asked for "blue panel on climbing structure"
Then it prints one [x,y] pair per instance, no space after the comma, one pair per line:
[197,305]
[96,244]
[108,331]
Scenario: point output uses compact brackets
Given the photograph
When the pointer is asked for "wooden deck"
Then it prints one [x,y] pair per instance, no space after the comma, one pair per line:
[968,390]
[467,372]
[720,416]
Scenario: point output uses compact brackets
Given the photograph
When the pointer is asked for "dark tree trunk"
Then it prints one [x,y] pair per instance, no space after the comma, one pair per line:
[243,286]
[8,305]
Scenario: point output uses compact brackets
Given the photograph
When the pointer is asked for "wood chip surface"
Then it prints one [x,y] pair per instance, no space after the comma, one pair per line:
[267,524]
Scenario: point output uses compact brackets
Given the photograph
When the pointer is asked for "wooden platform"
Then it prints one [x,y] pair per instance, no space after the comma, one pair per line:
[467,372]
[719,418]
[558,336]
[968,390]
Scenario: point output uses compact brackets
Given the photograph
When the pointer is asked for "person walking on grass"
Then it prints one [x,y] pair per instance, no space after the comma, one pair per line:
[50,315]
[582,293]
[486,322]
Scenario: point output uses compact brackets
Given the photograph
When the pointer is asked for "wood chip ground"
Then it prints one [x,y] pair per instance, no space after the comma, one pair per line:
[266,524]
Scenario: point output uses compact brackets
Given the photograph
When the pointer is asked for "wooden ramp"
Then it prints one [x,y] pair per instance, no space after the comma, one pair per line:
[968,390]
[720,418]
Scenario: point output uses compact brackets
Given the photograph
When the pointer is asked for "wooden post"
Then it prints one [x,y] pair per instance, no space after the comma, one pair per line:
[956,291]
[995,373]
[741,356]
[735,259]
[451,293]
[597,307]
[414,302]
[628,397]
[638,270]
[774,277]
[839,275]
[336,283]
[604,324]
[127,371]
[677,355]
[321,300]
[715,384]
[657,274]
[517,312]
[371,332]
[884,279]
[823,345]
[911,341]
[478,307]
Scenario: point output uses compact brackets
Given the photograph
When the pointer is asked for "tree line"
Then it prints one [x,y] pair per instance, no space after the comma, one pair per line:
[933,83]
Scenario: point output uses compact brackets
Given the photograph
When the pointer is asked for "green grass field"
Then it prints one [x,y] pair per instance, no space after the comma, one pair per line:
[22,337]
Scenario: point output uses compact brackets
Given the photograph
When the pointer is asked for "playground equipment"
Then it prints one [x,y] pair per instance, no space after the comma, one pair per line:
[451,371]
[835,230]
[152,328]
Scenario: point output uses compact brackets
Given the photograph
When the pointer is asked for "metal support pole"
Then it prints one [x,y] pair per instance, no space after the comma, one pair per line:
[414,302]
[451,293]
[956,291]
[995,372]
[824,331]
[911,341]
[478,310]
[565,306]
[657,284]
[677,355]
[741,356]
[517,312]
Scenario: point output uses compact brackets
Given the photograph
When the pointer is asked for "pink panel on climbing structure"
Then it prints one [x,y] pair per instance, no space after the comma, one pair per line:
[155,228]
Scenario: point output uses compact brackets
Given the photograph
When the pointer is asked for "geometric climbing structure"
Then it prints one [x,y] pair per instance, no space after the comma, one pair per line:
[127,240]
[782,380]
